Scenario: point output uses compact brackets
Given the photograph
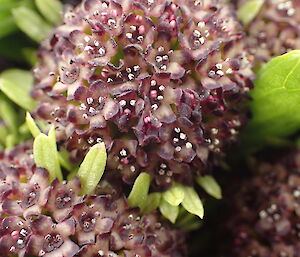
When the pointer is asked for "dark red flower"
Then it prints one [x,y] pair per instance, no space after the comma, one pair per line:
[130,72]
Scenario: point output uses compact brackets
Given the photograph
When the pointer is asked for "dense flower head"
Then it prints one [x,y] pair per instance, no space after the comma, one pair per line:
[39,217]
[275,30]
[265,219]
[160,82]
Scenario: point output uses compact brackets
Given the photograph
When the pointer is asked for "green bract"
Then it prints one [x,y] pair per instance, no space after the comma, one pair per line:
[174,195]
[46,155]
[169,211]
[276,100]
[247,12]
[139,193]
[92,168]
[210,185]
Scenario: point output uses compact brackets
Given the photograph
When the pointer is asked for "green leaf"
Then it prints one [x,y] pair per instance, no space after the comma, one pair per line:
[192,202]
[92,168]
[30,55]
[63,157]
[210,185]
[169,211]
[276,101]
[139,192]
[174,195]
[152,203]
[11,141]
[9,115]
[45,155]
[22,78]
[248,11]
[34,130]
[51,9]
[3,134]
[17,93]
[31,23]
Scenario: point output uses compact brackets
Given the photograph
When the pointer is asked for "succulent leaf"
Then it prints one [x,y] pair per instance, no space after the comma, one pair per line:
[92,168]
[46,156]
[210,185]
[247,12]
[153,202]
[139,192]
[174,195]
[192,202]
[169,211]
[34,130]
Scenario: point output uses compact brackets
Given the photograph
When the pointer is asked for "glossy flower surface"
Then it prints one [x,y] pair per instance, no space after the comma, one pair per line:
[162,83]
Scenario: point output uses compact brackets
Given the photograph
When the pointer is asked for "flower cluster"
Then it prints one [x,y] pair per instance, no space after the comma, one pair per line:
[162,83]
[275,29]
[267,211]
[43,218]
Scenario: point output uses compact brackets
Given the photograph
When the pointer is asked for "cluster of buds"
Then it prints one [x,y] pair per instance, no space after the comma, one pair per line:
[162,83]
[39,217]
[266,212]
[275,30]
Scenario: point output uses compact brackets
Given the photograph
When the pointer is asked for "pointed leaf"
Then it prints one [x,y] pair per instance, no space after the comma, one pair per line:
[248,11]
[169,211]
[276,101]
[34,130]
[152,203]
[174,195]
[210,185]
[64,160]
[139,192]
[192,202]
[22,78]
[45,155]
[92,168]
[8,115]
[17,94]
[31,23]
[51,9]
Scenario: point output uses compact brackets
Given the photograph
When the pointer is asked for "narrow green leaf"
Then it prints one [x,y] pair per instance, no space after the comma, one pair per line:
[45,155]
[169,211]
[18,94]
[210,185]
[11,141]
[9,115]
[63,157]
[31,23]
[34,130]
[50,9]
[192,202]
[92,168]
[152,203]
[3,134]
[52,141]
[174,195]
[139,192]
[248,11]
[276,101]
